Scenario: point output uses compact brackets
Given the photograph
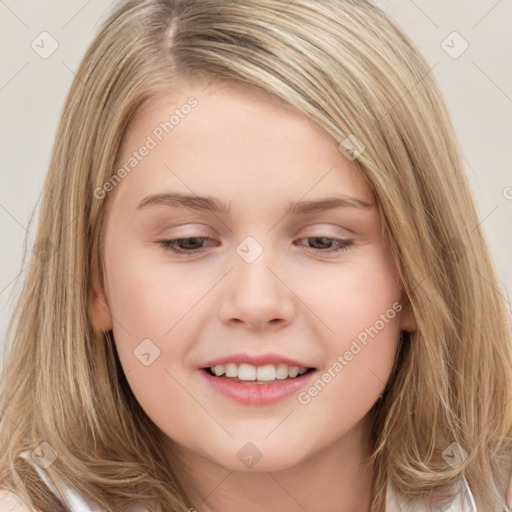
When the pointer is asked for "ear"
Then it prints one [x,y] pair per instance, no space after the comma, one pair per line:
[99,310]
[407,318]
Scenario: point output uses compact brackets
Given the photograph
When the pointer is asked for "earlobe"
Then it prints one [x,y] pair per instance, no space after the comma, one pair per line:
[99,309]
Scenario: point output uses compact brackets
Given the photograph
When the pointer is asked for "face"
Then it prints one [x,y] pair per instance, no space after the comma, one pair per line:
[242,239]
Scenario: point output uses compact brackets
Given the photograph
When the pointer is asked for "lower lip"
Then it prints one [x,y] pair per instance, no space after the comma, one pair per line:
[258,394]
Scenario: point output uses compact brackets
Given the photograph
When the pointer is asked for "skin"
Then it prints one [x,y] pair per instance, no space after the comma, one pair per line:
[294,299]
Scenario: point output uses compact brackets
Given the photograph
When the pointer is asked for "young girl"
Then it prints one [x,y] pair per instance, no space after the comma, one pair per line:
[259,281]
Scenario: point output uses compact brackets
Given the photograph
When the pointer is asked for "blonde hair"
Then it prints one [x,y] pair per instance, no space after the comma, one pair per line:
[346,65]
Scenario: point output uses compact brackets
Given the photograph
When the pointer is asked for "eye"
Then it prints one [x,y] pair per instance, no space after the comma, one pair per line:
[192,245]
[323,241]
[184,245]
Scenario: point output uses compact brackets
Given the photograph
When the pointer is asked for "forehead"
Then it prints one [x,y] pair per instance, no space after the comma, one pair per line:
[221,137]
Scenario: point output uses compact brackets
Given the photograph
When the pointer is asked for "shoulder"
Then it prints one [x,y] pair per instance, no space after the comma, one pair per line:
[10,502]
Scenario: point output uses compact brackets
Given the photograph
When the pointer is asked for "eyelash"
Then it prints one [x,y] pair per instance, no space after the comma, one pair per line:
[170,245]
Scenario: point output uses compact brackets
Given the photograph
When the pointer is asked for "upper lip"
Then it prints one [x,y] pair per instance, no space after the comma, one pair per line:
[255,360]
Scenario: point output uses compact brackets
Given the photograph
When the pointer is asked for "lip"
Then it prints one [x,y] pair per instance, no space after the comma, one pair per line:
[255,360]
[257,394]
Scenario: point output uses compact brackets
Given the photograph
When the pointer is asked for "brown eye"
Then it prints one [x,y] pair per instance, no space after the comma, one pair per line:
[189,245]
[325,244]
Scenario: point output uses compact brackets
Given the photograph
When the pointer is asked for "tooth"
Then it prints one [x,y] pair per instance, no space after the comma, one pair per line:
[247,372]
[282,371]
[267,372]
[219,370]
[231,370]
[293,371]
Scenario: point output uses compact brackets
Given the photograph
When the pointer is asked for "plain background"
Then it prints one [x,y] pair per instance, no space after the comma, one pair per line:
[477,85]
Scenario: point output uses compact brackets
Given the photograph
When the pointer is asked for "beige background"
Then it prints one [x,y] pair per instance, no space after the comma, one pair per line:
[477,85]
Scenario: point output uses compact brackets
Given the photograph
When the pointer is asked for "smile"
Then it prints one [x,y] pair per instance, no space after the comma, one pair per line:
[256,374]
[250,390]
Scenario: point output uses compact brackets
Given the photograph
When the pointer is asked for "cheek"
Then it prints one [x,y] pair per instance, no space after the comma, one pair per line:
[153,308]
[354,296]
[150,299]
[359,309]
[360,359]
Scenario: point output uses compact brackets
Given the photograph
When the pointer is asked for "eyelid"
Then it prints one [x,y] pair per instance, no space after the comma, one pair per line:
[343,244]
[170,245]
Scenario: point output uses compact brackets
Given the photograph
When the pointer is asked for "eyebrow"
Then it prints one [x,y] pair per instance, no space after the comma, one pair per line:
[213,205]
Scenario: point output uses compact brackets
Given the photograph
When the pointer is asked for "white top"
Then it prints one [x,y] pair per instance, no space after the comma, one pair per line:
[463,502]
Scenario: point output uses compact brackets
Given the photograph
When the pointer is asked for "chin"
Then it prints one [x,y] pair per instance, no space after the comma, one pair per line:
[249,458]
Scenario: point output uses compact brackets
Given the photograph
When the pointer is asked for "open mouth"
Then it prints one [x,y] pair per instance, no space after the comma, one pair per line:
[248,374]
[257,384]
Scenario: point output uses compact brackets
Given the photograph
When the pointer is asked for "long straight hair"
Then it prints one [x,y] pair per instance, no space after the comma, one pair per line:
[351,69]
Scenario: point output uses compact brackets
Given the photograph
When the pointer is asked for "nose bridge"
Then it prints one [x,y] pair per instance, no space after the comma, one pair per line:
[252,270]
[256,296]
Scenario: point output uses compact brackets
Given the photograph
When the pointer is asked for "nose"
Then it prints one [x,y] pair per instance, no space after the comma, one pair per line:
[256,296]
